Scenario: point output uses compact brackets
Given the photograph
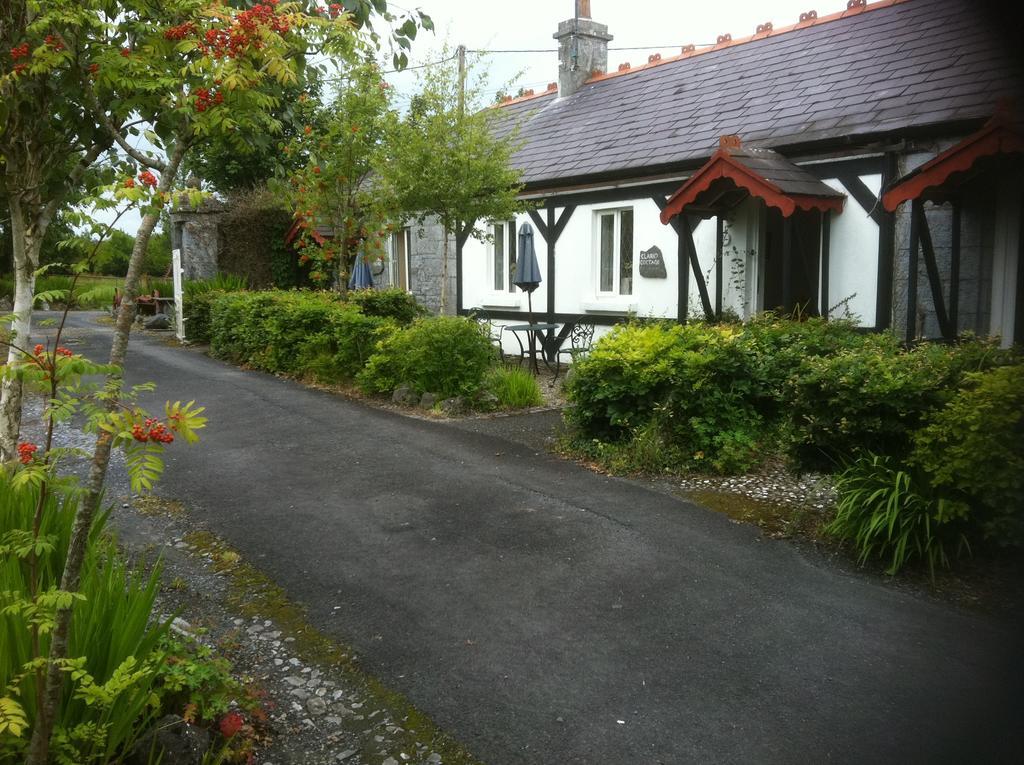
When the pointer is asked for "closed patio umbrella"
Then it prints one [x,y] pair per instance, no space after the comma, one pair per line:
[361,278]
[527,277]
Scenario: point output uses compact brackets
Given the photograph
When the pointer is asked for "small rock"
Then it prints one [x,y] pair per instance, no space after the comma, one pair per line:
[294,681]
[390,761]
[434,758]
[316,706]
[404,395]
[454,407]
[487,400]
[427,400]
[346,754]
[160,321]
[332,720]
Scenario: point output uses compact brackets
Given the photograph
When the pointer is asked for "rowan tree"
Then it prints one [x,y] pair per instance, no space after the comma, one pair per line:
[80,73]
[337,190]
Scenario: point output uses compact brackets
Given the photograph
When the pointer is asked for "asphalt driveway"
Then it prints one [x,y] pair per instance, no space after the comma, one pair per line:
[544,614]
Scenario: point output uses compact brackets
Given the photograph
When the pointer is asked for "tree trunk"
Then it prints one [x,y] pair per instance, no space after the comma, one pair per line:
[27,243]
[444,271]
[39,747]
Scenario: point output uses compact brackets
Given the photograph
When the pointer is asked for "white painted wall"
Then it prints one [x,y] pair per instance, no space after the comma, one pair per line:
[853,256]
[853,264]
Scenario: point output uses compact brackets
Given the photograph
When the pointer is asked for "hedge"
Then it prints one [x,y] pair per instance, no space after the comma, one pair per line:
[725,396]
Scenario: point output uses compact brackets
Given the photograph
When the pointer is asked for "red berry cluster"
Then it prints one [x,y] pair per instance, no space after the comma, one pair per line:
[27,452]
[65,352]
[244,32]
[205,99]
[38,350]
[154,430]
[94,68]
[54,42]
[147,178]
[129,183]
[126,52]
[180,32]
[19,51]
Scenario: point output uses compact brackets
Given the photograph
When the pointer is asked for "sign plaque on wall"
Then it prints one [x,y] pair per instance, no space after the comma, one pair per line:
[652,264]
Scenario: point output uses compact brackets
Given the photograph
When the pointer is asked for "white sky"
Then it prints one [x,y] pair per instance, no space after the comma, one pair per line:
[529,24]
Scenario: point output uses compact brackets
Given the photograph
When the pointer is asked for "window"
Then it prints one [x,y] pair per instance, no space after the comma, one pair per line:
[400,248]
[503,260]
[615,252]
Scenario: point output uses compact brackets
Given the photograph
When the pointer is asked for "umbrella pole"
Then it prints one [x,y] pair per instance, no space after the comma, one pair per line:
[533,334]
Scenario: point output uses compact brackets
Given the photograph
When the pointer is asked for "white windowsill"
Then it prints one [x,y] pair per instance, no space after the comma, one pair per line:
[499,300]
[607,306]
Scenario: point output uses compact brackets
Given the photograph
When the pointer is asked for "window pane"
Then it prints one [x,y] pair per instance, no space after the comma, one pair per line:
[607,264]
[407,250]
[398,260]
[626,252]
[512,254]
[499,256]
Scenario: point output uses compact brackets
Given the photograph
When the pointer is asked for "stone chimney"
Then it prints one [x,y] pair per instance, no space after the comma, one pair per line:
[582,49]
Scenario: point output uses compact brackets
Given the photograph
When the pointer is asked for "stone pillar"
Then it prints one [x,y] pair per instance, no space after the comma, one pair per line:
[195,231]
[582,49]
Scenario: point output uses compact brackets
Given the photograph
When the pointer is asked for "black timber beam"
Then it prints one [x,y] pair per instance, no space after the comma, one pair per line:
[934,280]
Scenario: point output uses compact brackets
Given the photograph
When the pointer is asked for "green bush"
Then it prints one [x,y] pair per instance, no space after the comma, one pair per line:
[238,329]
[197,308]
[972,451]
[778,347]
[514,388]
[392,303]
[445,355]
[299,333]
[873,397]
[692,384]
[112,631]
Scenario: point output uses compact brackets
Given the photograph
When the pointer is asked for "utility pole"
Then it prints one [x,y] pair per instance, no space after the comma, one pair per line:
[461,51]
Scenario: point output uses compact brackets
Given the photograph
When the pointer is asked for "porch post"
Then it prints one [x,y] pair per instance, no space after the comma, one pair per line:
[826,225]
[954,272]
[915,236]
[886,251]
[787,264]
[719,243]
[683,271]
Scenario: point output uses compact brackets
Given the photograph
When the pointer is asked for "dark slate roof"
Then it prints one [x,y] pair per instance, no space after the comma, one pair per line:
[909,64]
[779,171]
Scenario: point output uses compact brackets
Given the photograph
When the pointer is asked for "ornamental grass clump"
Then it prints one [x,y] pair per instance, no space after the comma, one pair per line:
[114,654]
[514,387]
[888,513]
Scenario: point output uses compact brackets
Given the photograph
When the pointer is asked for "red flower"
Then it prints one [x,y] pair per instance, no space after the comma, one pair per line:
[38,349]
[230,724]
[26,452]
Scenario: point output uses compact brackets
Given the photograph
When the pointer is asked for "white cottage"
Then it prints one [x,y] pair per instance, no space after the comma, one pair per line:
[860,164]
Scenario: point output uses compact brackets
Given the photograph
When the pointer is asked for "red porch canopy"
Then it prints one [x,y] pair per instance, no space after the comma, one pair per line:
[733,173]
[935,179]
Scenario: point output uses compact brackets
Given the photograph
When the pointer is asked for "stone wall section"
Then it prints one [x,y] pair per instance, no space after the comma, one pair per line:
[196,232]
[426,266]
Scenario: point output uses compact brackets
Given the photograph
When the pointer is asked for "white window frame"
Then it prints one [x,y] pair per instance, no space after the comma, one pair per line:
[406,232]
[614,293]
[509,241]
